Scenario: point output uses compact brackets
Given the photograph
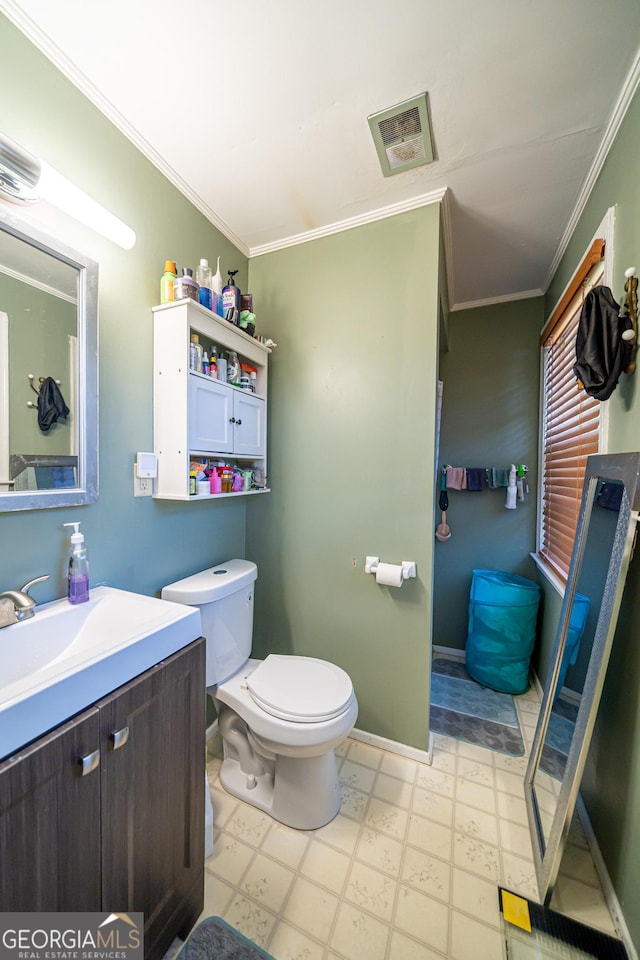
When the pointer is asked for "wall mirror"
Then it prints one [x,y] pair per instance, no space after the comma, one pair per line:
[599,564]
[48,335]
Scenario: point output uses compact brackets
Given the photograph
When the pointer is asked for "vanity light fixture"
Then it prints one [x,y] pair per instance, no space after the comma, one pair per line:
[24,178]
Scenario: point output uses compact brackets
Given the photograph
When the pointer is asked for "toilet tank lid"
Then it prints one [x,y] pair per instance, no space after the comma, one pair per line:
[215,583]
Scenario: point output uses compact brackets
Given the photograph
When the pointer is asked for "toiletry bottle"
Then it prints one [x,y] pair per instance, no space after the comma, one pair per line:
[203,276]
[231,300]
[195,353]
[222,367]
[186,286]
[205,362]
[167,282]
[216,290]
[213,362]
[78,569]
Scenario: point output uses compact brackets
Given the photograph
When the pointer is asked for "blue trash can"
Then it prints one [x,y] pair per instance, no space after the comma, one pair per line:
[503,612]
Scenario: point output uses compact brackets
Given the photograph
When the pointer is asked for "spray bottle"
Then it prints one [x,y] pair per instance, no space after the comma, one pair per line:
[78,569]
[512,490]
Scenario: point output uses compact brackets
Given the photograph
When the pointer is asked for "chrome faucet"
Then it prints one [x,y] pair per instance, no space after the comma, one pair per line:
[17,605]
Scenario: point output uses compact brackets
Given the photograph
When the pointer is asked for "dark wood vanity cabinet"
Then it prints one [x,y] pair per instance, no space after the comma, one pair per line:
[127,834]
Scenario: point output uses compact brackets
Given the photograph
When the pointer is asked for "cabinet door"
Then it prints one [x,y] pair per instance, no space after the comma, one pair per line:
[210,413]
[50,822]
[249,425]
[152,731]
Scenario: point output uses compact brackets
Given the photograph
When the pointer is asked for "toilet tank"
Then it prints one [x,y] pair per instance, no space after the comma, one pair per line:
[224,596]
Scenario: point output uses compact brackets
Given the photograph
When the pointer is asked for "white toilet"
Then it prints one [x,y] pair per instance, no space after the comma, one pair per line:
[279,718]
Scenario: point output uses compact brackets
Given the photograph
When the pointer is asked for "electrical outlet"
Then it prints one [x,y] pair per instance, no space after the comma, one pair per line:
[142,486]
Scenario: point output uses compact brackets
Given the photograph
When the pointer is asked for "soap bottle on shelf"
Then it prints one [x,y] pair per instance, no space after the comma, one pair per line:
[167,282]
[203,276]
[78,568]
[231,299]
[195,353]
[205,363]
[213,361]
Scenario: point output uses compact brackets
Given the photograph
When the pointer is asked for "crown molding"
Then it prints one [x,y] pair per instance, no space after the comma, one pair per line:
[79,80]
[340,226]
[623,102]
[492,301]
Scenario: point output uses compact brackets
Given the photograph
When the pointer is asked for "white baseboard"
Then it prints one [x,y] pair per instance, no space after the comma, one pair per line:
[392,746]
[607,887]
[454,652]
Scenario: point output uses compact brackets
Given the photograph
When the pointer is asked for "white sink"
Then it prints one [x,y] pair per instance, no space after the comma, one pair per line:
[67,657]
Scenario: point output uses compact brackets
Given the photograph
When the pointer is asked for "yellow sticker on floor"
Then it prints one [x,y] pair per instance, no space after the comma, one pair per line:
[516,910]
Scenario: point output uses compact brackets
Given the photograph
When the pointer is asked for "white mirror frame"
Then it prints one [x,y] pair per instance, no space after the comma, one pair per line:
[547,852]
[86,490]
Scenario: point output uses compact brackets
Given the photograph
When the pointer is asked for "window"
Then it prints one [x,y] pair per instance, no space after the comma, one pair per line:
[570,420]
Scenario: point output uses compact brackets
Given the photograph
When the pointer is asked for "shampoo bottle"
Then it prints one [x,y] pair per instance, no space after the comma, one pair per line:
[167,282]
[231,300]
[203,276]
[78,569]
[216,290]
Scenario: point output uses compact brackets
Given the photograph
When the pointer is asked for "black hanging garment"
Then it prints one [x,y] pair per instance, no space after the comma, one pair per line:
[51,405]
[601,353]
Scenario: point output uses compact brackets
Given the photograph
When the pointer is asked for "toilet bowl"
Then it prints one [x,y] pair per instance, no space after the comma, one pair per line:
[281,718]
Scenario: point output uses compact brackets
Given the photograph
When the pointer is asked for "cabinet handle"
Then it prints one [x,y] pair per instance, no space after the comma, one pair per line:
[90,762]
[238,422]
[120,737]
[232,420]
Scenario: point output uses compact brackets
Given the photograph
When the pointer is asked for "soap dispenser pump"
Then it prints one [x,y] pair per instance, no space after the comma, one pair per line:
[78,569]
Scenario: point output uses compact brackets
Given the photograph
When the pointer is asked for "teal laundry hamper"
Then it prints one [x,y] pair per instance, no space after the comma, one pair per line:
[503,612]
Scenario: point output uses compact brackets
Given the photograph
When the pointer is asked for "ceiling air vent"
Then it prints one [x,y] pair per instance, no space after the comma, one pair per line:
[402,135]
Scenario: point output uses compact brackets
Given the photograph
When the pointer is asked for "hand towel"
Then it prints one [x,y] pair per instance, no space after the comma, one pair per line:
[456,478]
[498,477]
[51,405]
[476,478]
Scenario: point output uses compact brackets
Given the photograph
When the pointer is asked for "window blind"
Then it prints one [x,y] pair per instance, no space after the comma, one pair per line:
[570,425]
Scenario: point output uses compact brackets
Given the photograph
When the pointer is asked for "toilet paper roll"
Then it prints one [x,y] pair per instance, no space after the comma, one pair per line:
[389,574]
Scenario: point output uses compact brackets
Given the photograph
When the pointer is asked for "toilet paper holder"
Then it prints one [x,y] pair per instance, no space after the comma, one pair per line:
[408,567]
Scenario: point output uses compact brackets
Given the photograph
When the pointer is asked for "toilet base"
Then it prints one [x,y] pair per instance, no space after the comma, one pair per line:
[301,792]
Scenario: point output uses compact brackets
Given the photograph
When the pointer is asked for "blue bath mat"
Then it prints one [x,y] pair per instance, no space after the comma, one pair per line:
[463,709]
[214,939]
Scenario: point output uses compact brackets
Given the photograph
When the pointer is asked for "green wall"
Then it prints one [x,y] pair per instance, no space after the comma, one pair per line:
[139,544]
[611,785]
[489,418]
[352,427]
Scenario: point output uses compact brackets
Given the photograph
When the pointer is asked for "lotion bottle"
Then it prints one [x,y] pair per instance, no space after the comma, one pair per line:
[78,568]
[231,300]
[203,276]
[216,290]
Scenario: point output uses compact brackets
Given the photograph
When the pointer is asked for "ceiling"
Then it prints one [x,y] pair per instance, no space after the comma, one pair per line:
[258,112]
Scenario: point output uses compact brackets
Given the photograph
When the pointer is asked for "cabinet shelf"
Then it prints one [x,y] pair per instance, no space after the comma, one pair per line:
[196,416]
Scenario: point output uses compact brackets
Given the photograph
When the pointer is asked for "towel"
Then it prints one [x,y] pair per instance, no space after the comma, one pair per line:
[51,405]
[476,478]
[498,477]
[610,495]
[456,478]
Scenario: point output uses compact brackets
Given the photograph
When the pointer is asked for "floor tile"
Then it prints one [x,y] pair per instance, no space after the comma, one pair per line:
[432,805]
[357,776]
[405,948]
[287,943]
[358,935]
[393,790]
[267,882]
[285,844]
[380,851]
[386,818]
[471,939]
[251,919]
[371,890]
[477,823]
[342,833]
[354,802]
[430,836]
[422,918]
[401,767]
[470,894]
[426,874]
[326,866]
[365,754]
[311,908]
[475,772]
[230,857]
[475,795]
[519,875]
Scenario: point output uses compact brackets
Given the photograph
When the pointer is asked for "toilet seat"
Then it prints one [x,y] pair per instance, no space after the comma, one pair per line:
[300,689]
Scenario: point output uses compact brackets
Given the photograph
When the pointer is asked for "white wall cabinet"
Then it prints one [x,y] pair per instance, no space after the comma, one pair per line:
[196,416]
